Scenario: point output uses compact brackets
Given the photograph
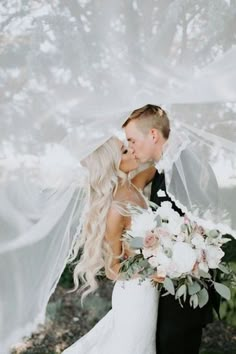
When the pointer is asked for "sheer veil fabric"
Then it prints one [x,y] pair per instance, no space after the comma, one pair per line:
[71,72]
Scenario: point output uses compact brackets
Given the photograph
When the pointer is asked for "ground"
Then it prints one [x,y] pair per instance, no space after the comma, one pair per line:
[67,321]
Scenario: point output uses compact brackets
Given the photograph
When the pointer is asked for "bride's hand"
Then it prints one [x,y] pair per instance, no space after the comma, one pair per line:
[157,279]
[128,252]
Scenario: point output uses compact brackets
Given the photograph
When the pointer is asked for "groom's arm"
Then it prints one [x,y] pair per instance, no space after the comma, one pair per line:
[144,177]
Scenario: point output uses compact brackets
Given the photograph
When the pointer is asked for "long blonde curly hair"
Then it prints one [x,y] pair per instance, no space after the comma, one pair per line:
[104,177]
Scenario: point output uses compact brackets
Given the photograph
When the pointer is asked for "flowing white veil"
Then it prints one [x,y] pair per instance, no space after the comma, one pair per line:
[70,74]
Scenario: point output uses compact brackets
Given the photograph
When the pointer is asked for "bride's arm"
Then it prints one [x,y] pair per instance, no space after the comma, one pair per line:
[144,177]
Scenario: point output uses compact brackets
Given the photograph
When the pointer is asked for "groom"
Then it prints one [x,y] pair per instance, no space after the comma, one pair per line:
[179,329]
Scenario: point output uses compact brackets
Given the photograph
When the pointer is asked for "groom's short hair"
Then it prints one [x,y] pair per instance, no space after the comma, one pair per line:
[150,116]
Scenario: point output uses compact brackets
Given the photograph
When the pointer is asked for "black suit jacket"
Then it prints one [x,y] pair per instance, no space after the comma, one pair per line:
[170,311]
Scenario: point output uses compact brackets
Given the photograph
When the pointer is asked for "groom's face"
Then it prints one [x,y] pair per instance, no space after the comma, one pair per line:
[141,143]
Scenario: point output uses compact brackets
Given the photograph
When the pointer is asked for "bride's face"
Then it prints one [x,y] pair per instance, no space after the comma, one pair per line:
[128,161]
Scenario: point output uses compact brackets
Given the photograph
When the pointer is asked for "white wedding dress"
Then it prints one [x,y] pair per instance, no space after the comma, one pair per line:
[129,327]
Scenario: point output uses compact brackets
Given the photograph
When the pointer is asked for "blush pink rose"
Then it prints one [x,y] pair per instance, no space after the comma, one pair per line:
[186,219]
[201,230]
[162,232]
[150,240]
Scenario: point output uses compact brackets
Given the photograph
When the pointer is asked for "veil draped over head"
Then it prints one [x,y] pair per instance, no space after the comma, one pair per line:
[71,72]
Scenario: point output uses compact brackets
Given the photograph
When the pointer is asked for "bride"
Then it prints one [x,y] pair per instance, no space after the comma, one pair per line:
[130,326]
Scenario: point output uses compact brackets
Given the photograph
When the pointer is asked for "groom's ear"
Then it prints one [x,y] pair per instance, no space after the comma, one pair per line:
[155,135]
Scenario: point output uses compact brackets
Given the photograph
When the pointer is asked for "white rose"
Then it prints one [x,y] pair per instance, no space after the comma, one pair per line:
[184,257]
[172,270]
[174,224]
[152,260]
[203,266]
[181,237]
[142,223]
[162,258]
[147,252]
[213,256]
[165,210]
[198,241]
[175,221]
[166,242]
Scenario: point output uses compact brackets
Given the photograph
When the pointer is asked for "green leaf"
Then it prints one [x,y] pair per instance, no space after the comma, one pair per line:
[144,263]
[204,274]
[203,297]
[130,272]
[213,233]
[168,252]
[150,271]
[190,280]
[184,228]
[223,269]
[181,291]
[135,268]
[193,288]
[193,300]
[158,220]
[153,205]
[223,290]
[169,286]
[136,242]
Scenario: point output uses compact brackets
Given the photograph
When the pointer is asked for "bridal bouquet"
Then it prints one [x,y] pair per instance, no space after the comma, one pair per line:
[178,250]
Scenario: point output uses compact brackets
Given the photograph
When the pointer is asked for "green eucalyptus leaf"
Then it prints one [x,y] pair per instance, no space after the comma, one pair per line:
[223,269]
[150,271]
[129,272]
[181,291]
[168,252]
[165,294]
[158,220]
[180,302]
[184,228]
[203,297]
[136,242]
[204,274]
[144,263]
[223,290]
[193,288]
[193,300]
[213,233]
[169,286]
[135,268]
[153,205]
[190,280]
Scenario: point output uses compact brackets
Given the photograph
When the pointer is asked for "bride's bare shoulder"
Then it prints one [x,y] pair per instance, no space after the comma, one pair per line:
[116,215]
